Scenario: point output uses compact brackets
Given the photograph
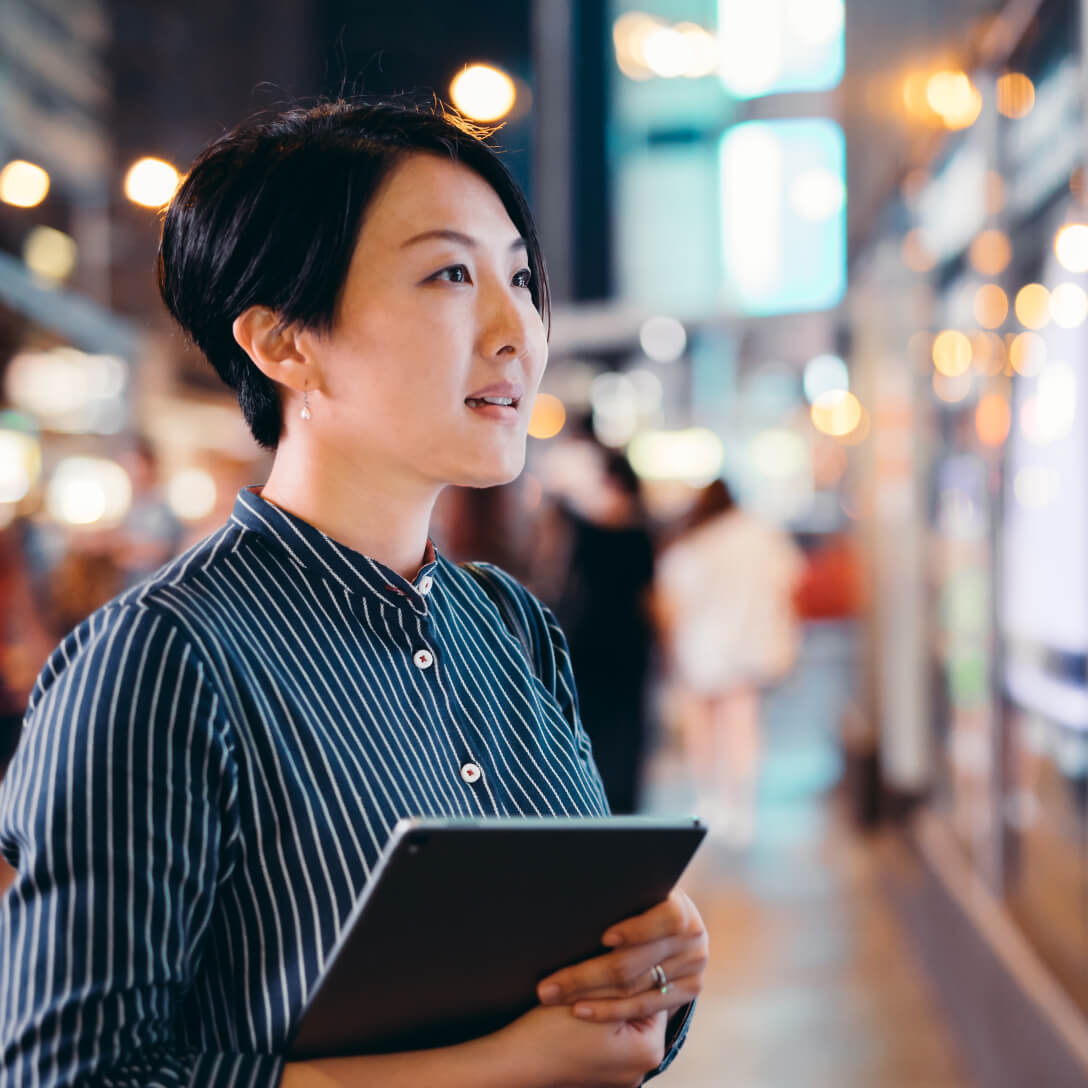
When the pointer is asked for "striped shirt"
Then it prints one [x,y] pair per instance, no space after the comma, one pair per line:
[210,767]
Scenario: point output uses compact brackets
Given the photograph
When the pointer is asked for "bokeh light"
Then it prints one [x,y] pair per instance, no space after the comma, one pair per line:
[991,306]
[1068,305]
[685,49]
[694,455]
[1033,306]
[990,252]
[151,182]
[23,184]
[630,33]
[1015,95]
[50,254]
[951,352]
[778,453]
[663,339]
[1027,353]
[614,400]
[992,419]
[954,98]
[20,464]
[483,93]
[191,493]
[1071,247]
[549,415]
[1048,415]
[824,374]
[836,413]
[88,491]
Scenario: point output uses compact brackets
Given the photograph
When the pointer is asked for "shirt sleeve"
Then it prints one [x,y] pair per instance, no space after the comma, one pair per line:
[117,813]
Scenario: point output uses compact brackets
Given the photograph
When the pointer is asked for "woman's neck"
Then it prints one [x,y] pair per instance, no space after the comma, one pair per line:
[363,510]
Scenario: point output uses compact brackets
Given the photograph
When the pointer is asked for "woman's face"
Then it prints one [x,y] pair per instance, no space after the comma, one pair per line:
[435,315]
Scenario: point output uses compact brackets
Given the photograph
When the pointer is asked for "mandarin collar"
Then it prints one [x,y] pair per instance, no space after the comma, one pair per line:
[317,553]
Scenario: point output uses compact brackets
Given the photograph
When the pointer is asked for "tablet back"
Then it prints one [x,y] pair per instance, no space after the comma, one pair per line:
[463,918]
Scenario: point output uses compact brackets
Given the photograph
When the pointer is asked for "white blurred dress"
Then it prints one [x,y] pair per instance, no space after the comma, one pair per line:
[728,585]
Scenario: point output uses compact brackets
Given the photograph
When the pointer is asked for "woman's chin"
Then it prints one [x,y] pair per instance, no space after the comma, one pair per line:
[495,473]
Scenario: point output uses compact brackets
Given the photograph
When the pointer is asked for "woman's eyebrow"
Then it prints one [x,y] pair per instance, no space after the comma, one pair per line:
[456,236]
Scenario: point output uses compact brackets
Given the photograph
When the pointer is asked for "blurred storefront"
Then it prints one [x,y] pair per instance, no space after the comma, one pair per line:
[967,307]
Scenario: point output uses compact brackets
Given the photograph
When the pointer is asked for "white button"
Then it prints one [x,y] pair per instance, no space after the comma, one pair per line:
[423,659]
[470,772]
[425,584]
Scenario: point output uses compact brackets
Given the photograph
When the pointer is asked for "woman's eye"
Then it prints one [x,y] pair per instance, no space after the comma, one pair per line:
[456,273]
[522,277]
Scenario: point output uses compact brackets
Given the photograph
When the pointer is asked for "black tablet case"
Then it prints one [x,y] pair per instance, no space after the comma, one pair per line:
[465,920]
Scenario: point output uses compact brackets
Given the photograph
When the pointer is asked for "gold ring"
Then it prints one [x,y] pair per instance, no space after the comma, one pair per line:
[660,981]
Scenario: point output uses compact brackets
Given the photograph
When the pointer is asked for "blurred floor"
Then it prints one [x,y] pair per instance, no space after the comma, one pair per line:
[812,983]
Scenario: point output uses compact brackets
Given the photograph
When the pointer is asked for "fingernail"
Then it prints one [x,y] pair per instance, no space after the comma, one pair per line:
[548,992]
[583,1012]
[612,939]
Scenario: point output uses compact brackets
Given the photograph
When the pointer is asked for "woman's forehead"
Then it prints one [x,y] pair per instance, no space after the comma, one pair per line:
[427,192]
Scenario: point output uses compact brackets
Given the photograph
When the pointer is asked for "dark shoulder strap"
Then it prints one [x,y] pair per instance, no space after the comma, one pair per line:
[507,609]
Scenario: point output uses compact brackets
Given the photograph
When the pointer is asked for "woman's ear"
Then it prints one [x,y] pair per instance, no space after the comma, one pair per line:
[275,350]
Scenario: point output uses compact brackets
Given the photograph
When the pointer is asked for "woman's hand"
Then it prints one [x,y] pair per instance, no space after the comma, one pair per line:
[621,985]
[571,1053]
[545,1048]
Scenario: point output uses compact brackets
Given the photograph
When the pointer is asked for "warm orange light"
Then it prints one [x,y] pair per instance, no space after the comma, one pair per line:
[954,98]
[992,419]
[915,254]
[836,413]
[151,182]
[1027,353]
[1033,306]
[914,96]
[991,306]
[951,353]
[23,184]
[990,252]
[548,416]
[483,92]
[1015,95]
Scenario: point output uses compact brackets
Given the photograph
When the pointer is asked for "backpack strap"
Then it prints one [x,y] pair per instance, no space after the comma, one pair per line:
[507,609]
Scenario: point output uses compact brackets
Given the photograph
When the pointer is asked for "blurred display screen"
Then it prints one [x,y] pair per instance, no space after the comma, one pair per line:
[784,215]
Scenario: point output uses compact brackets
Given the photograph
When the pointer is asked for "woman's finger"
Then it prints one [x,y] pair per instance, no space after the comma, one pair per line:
[622,971]
[675,967]
[676,916]
[644,1004]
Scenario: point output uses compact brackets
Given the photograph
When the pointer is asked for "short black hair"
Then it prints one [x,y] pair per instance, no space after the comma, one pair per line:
[269,215]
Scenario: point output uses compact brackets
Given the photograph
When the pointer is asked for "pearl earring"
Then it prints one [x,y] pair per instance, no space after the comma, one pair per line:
[305,413]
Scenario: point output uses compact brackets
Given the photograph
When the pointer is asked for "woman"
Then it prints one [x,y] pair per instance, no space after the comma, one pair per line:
[725,604]
[212,763]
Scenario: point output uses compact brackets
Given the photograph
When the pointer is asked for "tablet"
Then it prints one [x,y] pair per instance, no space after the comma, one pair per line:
[462,918]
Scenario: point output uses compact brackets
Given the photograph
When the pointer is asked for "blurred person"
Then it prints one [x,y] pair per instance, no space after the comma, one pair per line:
[241,732]
[150,533]
[603,607]
[724,598]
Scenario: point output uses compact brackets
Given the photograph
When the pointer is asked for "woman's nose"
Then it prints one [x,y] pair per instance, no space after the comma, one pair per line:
[503,326]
